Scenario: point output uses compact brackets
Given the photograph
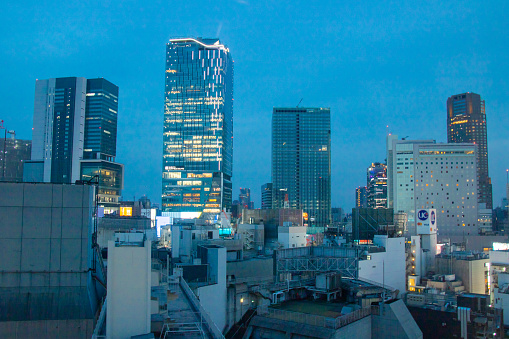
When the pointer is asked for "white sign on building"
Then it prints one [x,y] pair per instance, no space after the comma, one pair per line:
[426,221]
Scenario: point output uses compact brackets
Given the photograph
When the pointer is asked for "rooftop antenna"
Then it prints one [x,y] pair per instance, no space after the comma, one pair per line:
[300,102]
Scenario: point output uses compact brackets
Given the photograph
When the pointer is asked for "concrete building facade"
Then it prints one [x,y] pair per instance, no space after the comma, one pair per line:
[129,283]
[51,275]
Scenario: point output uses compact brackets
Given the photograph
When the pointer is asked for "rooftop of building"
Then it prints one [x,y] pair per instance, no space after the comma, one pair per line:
[130,238]
[464,255]
[315,307]
[207,43]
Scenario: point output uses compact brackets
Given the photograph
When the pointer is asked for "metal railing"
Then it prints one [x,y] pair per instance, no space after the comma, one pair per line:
[282,285]
[211,326]
[314,320]
[101,322]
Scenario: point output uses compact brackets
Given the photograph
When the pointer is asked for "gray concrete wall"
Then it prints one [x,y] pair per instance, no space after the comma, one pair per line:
[393,322]
[252,270]
[45,237]
[358,329]
[50,329]
[262,327]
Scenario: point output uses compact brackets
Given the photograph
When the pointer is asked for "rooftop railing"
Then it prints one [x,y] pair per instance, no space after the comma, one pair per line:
[312,319]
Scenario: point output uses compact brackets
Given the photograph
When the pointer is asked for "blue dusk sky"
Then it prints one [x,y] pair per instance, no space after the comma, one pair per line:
[374,63]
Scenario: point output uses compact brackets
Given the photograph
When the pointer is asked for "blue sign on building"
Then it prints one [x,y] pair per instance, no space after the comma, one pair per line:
[422,215]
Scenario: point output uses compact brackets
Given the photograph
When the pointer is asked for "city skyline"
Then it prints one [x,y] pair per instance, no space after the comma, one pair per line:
[368,76]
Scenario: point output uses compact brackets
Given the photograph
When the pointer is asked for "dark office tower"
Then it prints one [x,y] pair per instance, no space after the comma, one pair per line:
[13,153]
[376,189]
[466,123]
[75,136]
[301,162]
[245,197]
[100,145]
[361,197]
[198,126]
[266,196]
[101,120]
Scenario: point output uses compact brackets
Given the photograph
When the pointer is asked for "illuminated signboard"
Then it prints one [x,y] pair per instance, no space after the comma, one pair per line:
[426,221]
[126,211]
[500,246]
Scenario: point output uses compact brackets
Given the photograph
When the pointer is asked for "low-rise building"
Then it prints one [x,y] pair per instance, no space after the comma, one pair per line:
[292,236]
[469,267]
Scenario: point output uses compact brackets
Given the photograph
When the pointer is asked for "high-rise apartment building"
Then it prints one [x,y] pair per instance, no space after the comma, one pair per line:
[376,188]
[301,162]
[75,136]
[198,126]
[361,197]
[427,175]
[466,123]
[266,196]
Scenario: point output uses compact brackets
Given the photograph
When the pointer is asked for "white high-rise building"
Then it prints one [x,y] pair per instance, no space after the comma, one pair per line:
[401,177]
[427,175]
[59,130]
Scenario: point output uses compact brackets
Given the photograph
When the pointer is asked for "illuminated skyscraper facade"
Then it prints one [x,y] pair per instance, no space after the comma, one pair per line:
[301,162]
[376,189]
[361,197]
[198,126]
[466,123]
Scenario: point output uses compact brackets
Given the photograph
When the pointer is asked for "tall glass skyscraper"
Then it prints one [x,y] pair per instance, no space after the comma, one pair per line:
[75,136]
[198,126]
[466,123]
[100,143]
[376,188]
[301,166]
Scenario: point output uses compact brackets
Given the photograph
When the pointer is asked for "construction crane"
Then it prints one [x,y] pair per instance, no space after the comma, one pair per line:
[300,102]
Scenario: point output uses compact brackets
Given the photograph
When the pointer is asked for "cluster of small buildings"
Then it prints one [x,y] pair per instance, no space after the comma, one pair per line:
[417,257]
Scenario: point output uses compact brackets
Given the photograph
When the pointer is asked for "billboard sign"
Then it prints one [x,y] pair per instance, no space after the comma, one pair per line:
[126,211]
[426,221]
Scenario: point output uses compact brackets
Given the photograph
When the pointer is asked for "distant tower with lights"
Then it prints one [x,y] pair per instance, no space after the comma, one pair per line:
[466,123]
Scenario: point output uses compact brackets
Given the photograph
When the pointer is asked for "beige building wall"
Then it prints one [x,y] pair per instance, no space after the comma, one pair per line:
[471,272]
